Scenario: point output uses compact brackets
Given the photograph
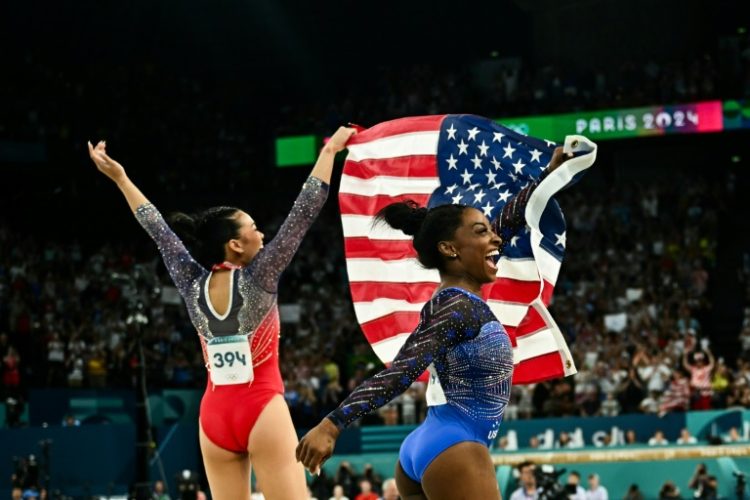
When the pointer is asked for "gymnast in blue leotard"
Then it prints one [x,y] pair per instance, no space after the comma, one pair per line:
[459,341]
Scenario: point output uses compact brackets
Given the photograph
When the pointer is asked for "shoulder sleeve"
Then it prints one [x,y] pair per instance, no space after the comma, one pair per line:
[275,257]
[183,269]
[446,320]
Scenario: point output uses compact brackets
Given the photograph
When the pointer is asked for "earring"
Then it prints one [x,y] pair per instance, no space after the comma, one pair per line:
[453,255]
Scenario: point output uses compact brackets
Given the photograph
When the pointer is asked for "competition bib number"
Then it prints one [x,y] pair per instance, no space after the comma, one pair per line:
[230,360]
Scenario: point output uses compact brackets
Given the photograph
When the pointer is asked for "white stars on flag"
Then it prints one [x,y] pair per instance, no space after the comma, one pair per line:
[560,239]
[487,209]
[451,132]
[452,163]
[519,166]
[496,164]
[484,168]
[477,162]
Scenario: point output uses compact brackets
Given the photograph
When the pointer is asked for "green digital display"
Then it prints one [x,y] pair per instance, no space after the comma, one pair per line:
[296,150]
[690,118]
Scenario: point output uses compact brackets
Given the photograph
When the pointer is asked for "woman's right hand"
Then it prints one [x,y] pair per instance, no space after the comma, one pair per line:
[104,163]
[338,141]
[316,446]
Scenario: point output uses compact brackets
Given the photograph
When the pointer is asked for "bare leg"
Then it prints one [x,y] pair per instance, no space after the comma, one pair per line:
[228,472]
[272,447]
[407,488]
[464,470]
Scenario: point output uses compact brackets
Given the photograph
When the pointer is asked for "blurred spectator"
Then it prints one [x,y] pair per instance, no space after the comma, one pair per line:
[574,484]
[633,493]
[390,490]
[369,474]
[596,491]
[733,436]
[159,492]
[651,403]
[527,488]
[677,396]
[744,339]
[365,491]
[70,421]
[11,372]
[338,493]
[610,406]
[669,491]
[563,440]
[658,439]
[686,437]
[630,437]
[720,384]
[346,477]
[702,483]
[700,378]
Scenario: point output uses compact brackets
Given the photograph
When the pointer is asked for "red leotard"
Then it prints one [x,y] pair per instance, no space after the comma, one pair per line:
[229,412]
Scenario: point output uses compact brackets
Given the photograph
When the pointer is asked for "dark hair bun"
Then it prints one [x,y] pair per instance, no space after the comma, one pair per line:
[406,216]
[186,228]
[206,233]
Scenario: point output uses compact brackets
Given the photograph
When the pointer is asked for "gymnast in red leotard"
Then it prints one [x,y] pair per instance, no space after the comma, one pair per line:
[229,283]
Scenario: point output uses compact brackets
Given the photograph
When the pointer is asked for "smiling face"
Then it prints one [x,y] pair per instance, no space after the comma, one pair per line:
[249,240]
[475,246]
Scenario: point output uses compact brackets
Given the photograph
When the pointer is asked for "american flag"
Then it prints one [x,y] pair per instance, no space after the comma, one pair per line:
[470,160]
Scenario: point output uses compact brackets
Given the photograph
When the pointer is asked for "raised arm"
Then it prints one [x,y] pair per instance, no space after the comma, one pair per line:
[324,166]
[275,257]
[512,218]
[444,323]
[711,359]
[116,173]
[685,363]
[183,269]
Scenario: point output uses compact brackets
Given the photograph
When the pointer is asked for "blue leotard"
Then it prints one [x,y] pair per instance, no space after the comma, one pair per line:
[470,359]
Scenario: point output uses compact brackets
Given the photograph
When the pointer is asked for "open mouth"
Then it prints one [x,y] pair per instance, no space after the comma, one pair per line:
[492,258]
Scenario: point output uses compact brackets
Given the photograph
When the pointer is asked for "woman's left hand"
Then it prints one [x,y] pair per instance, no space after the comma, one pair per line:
[316,446]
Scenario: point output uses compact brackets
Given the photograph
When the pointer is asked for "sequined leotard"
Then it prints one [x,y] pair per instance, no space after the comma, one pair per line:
[228,412]
[470,359]
[469,353]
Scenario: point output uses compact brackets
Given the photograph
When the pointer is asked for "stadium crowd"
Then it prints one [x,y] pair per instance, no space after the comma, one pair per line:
[68,313]
[71,318]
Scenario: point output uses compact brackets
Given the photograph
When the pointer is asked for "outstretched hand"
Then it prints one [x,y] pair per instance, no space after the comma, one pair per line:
[104,163]
[316,446]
